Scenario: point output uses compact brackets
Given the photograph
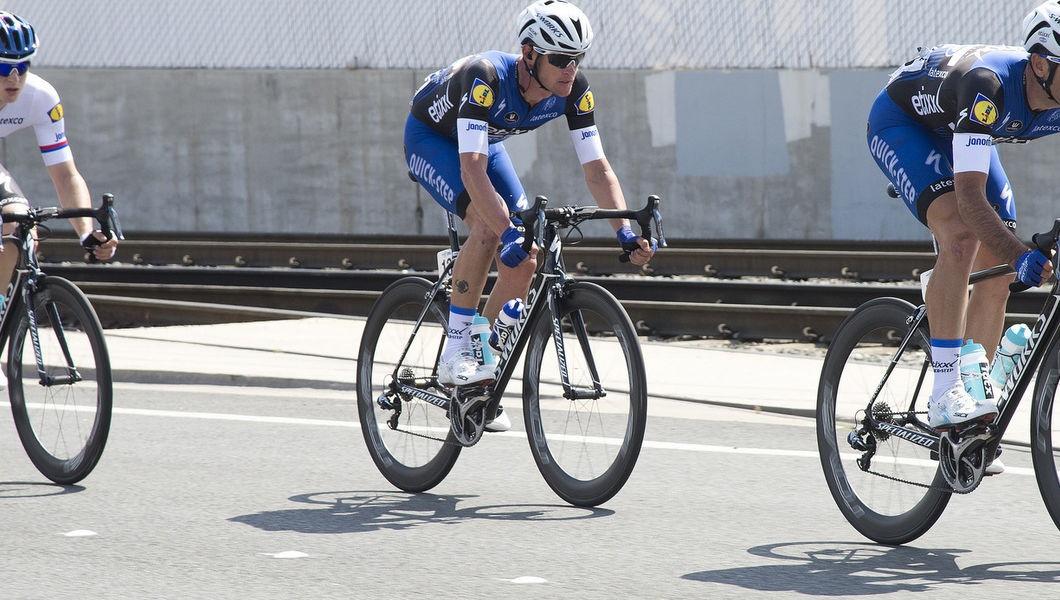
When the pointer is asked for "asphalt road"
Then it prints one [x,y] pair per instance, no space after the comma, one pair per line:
[228,492]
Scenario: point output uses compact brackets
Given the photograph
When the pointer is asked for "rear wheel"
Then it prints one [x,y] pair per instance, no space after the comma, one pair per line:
[587,445]
[903,493]
[408,437]
[63,414]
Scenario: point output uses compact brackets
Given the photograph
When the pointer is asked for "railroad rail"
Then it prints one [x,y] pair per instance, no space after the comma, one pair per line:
[786,291]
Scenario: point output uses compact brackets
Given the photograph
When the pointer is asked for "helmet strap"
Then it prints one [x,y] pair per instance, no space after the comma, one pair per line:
[1047,83]
[533,73]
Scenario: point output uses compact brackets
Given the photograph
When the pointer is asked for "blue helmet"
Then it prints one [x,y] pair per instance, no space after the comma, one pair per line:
[18,42]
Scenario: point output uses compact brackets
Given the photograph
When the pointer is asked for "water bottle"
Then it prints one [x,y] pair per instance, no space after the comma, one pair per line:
[1012,345]
[505,324]
[480,334]
[975,372]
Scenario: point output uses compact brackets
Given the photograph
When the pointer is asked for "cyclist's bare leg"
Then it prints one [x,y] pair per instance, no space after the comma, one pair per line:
[9,252]
[511,283]
[986,307]
[481,246]
[947,291]
[473,262]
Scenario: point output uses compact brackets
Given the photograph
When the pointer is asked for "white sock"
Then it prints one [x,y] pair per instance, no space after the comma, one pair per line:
[459,335]
[945,361]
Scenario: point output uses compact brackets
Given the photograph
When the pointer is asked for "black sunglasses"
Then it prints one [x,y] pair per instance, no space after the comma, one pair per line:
[6,68]
[560,60]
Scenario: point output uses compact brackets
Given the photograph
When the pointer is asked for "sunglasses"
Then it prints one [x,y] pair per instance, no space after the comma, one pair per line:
[6,68]
[560,60]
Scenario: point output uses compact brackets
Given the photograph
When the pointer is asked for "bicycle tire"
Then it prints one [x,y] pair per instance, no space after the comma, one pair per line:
[407,460]
[63,426]
[1043,447]
[884,510]
[586,449]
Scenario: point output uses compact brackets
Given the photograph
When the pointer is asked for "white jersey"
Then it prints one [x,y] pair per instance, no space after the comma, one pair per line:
[38,107]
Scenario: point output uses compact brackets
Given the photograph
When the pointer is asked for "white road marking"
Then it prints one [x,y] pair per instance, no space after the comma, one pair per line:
[80,533]
[286,554]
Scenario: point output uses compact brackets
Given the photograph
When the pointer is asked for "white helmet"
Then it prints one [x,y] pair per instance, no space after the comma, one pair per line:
[554,26]
[1041,29]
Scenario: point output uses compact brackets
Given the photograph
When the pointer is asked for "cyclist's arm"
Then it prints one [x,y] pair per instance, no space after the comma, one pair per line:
[982,219]
[484,197]
[981,97]
[606,191]
[72,191]
[479,79]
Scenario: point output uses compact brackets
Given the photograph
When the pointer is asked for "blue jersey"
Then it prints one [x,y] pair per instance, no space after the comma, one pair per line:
[485,87]
[971,89]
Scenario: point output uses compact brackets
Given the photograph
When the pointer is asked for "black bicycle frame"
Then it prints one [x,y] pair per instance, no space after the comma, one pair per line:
[1045,334]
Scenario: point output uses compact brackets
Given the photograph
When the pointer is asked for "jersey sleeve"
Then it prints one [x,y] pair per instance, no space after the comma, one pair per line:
[49,125]
[980,100]
[479,83]
[580,118]
[581,105]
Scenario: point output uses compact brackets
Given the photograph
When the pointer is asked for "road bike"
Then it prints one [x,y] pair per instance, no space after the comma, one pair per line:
[584,395]
[58,369]
[890,473]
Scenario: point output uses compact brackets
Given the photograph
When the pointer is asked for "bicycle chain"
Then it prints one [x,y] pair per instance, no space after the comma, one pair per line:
[931,486]
[444,441]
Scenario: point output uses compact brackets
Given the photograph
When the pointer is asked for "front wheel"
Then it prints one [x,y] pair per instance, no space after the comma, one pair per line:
[585,440]
[62,413]
[1045,437]
[408,437]
[902,492]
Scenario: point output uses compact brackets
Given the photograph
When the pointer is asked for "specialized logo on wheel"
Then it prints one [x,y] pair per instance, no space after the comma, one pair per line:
[586,103]
[983,110]
[481,94]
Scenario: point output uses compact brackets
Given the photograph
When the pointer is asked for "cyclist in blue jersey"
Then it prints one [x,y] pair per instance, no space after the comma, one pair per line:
[932,131]
[453,135]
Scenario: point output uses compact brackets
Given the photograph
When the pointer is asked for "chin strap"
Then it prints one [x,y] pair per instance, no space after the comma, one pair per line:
[533,73]
[1048,82]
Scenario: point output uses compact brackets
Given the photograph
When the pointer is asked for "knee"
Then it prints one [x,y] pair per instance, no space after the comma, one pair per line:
[958,243]
[525,270]
[480,235]
[995,288]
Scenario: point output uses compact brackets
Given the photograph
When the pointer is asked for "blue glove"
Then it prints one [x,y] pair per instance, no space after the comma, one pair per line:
[1029,267]
[626,237]
[512,252]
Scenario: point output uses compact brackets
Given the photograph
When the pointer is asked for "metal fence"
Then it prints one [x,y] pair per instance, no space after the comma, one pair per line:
[421,34]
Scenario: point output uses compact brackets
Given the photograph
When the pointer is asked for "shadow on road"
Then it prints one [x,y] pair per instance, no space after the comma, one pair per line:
[362,511]
[864,569]
[26,489]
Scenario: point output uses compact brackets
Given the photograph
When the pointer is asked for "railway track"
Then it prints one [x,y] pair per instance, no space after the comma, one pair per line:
[782,291]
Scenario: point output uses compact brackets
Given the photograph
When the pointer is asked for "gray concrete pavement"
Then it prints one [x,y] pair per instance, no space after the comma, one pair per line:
[321,353]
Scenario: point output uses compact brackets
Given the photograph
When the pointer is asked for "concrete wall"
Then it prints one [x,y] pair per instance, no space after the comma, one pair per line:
[734,154]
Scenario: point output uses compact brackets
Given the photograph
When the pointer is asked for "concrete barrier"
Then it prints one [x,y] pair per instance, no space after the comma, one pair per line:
[734,154]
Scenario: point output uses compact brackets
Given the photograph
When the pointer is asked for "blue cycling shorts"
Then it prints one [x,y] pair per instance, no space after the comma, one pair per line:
[919,162]
[434,160]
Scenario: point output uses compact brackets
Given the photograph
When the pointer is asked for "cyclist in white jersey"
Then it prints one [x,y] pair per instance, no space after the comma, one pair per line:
[26,100]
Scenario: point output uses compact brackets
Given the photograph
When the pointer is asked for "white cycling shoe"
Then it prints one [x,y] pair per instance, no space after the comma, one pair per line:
[500,423]
[995,468]
[463,369]
[955,407]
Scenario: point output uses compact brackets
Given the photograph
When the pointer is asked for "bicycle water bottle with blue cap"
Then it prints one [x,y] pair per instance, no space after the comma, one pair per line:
[1012,345]
[975,370]
[505,324]
[480,333]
